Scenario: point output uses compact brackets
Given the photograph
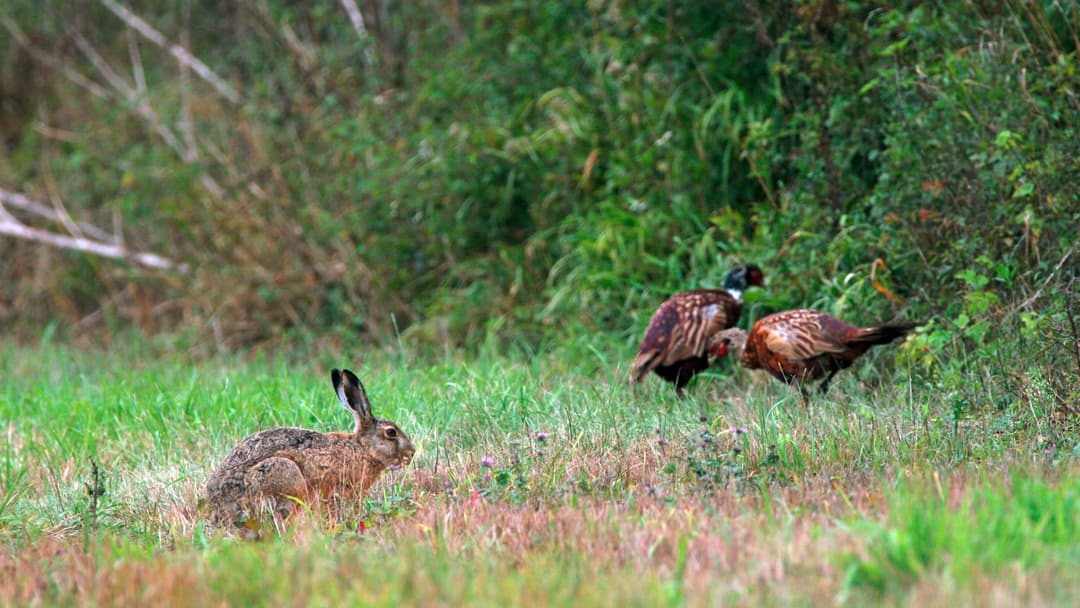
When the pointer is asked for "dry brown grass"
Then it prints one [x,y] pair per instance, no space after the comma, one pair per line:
[618,518]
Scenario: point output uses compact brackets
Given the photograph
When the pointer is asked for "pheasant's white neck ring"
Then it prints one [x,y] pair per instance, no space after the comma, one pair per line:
[735,293]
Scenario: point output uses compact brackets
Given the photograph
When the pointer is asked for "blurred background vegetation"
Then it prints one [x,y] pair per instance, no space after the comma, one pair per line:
[454,174]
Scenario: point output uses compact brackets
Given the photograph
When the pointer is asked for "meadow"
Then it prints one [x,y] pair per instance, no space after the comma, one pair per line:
[477,206]
[540,478]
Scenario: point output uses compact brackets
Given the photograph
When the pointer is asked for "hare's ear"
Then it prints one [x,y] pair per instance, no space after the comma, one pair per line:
[353,398]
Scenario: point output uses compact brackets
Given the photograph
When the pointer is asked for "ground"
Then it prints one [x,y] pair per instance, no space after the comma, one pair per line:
[541,481]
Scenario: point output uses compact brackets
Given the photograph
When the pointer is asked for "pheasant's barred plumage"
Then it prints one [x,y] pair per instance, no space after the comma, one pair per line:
[799,346]
[676,343]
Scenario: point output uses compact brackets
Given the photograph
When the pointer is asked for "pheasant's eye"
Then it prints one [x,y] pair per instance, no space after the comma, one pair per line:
[391,432]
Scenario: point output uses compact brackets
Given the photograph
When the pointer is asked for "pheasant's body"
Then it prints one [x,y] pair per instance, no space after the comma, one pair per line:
[806,345]
[676,343]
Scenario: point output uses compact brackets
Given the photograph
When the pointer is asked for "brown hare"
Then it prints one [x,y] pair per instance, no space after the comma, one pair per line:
[276,466]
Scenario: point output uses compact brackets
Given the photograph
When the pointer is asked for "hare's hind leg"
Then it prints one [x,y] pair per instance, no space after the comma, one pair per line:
[276,479]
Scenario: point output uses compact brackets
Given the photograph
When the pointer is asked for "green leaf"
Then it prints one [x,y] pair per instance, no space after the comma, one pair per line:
[895,47]
[1024,189]
[1007,139]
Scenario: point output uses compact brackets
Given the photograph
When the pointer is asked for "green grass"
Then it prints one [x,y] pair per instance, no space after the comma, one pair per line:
[886,491]
[1021,522]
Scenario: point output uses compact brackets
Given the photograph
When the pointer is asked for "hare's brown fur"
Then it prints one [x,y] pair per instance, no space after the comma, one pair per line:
[277,465]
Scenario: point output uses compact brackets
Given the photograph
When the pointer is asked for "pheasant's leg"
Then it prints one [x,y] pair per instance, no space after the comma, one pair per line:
[681,380]
[825,383]
[793,381]
[805,394]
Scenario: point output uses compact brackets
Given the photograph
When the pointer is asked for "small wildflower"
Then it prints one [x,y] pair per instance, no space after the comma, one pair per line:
[541,436]
[487,461]
[739,430]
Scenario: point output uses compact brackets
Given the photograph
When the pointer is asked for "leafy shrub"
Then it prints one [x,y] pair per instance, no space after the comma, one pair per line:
[513,173]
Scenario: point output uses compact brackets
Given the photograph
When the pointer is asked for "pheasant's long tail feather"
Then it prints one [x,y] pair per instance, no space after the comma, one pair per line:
[883,334]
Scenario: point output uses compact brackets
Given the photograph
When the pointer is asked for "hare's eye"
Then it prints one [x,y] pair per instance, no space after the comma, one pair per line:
[391,432]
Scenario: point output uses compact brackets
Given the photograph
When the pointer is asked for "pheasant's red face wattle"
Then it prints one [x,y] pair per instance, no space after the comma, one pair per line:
[719,350]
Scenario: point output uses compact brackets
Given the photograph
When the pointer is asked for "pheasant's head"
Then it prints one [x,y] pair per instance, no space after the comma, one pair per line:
[727,342]
[742,276]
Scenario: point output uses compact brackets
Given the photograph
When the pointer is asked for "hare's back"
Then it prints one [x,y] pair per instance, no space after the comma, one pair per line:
[265,444]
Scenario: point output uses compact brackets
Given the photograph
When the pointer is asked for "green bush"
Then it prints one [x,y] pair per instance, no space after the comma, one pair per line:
[517,172]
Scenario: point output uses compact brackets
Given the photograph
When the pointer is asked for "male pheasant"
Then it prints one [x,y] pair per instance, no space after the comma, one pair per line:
[798,346]
[677,339]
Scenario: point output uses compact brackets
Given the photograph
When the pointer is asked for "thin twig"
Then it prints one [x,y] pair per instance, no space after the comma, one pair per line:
[136,63]
[304,55]
[186,124]
[151,260]
[103,66]
[143,108]
[1070,309]
[1038,292]
[21,201]
[128,92]
[11,226]
[357,19]
[57,200]
[51,61]
[180,53]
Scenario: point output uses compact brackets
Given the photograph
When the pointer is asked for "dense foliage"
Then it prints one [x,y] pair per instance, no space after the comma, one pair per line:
[516,171]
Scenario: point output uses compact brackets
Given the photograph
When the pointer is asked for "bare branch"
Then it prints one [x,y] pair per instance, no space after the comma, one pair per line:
[13,227]
[136,63]
[357,19]
[21,201]
[180,53]
[22,231]
[47,59]
[1050,277]
[57,201]
[146,111]
[186,124]
[141,106]
[103,66]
